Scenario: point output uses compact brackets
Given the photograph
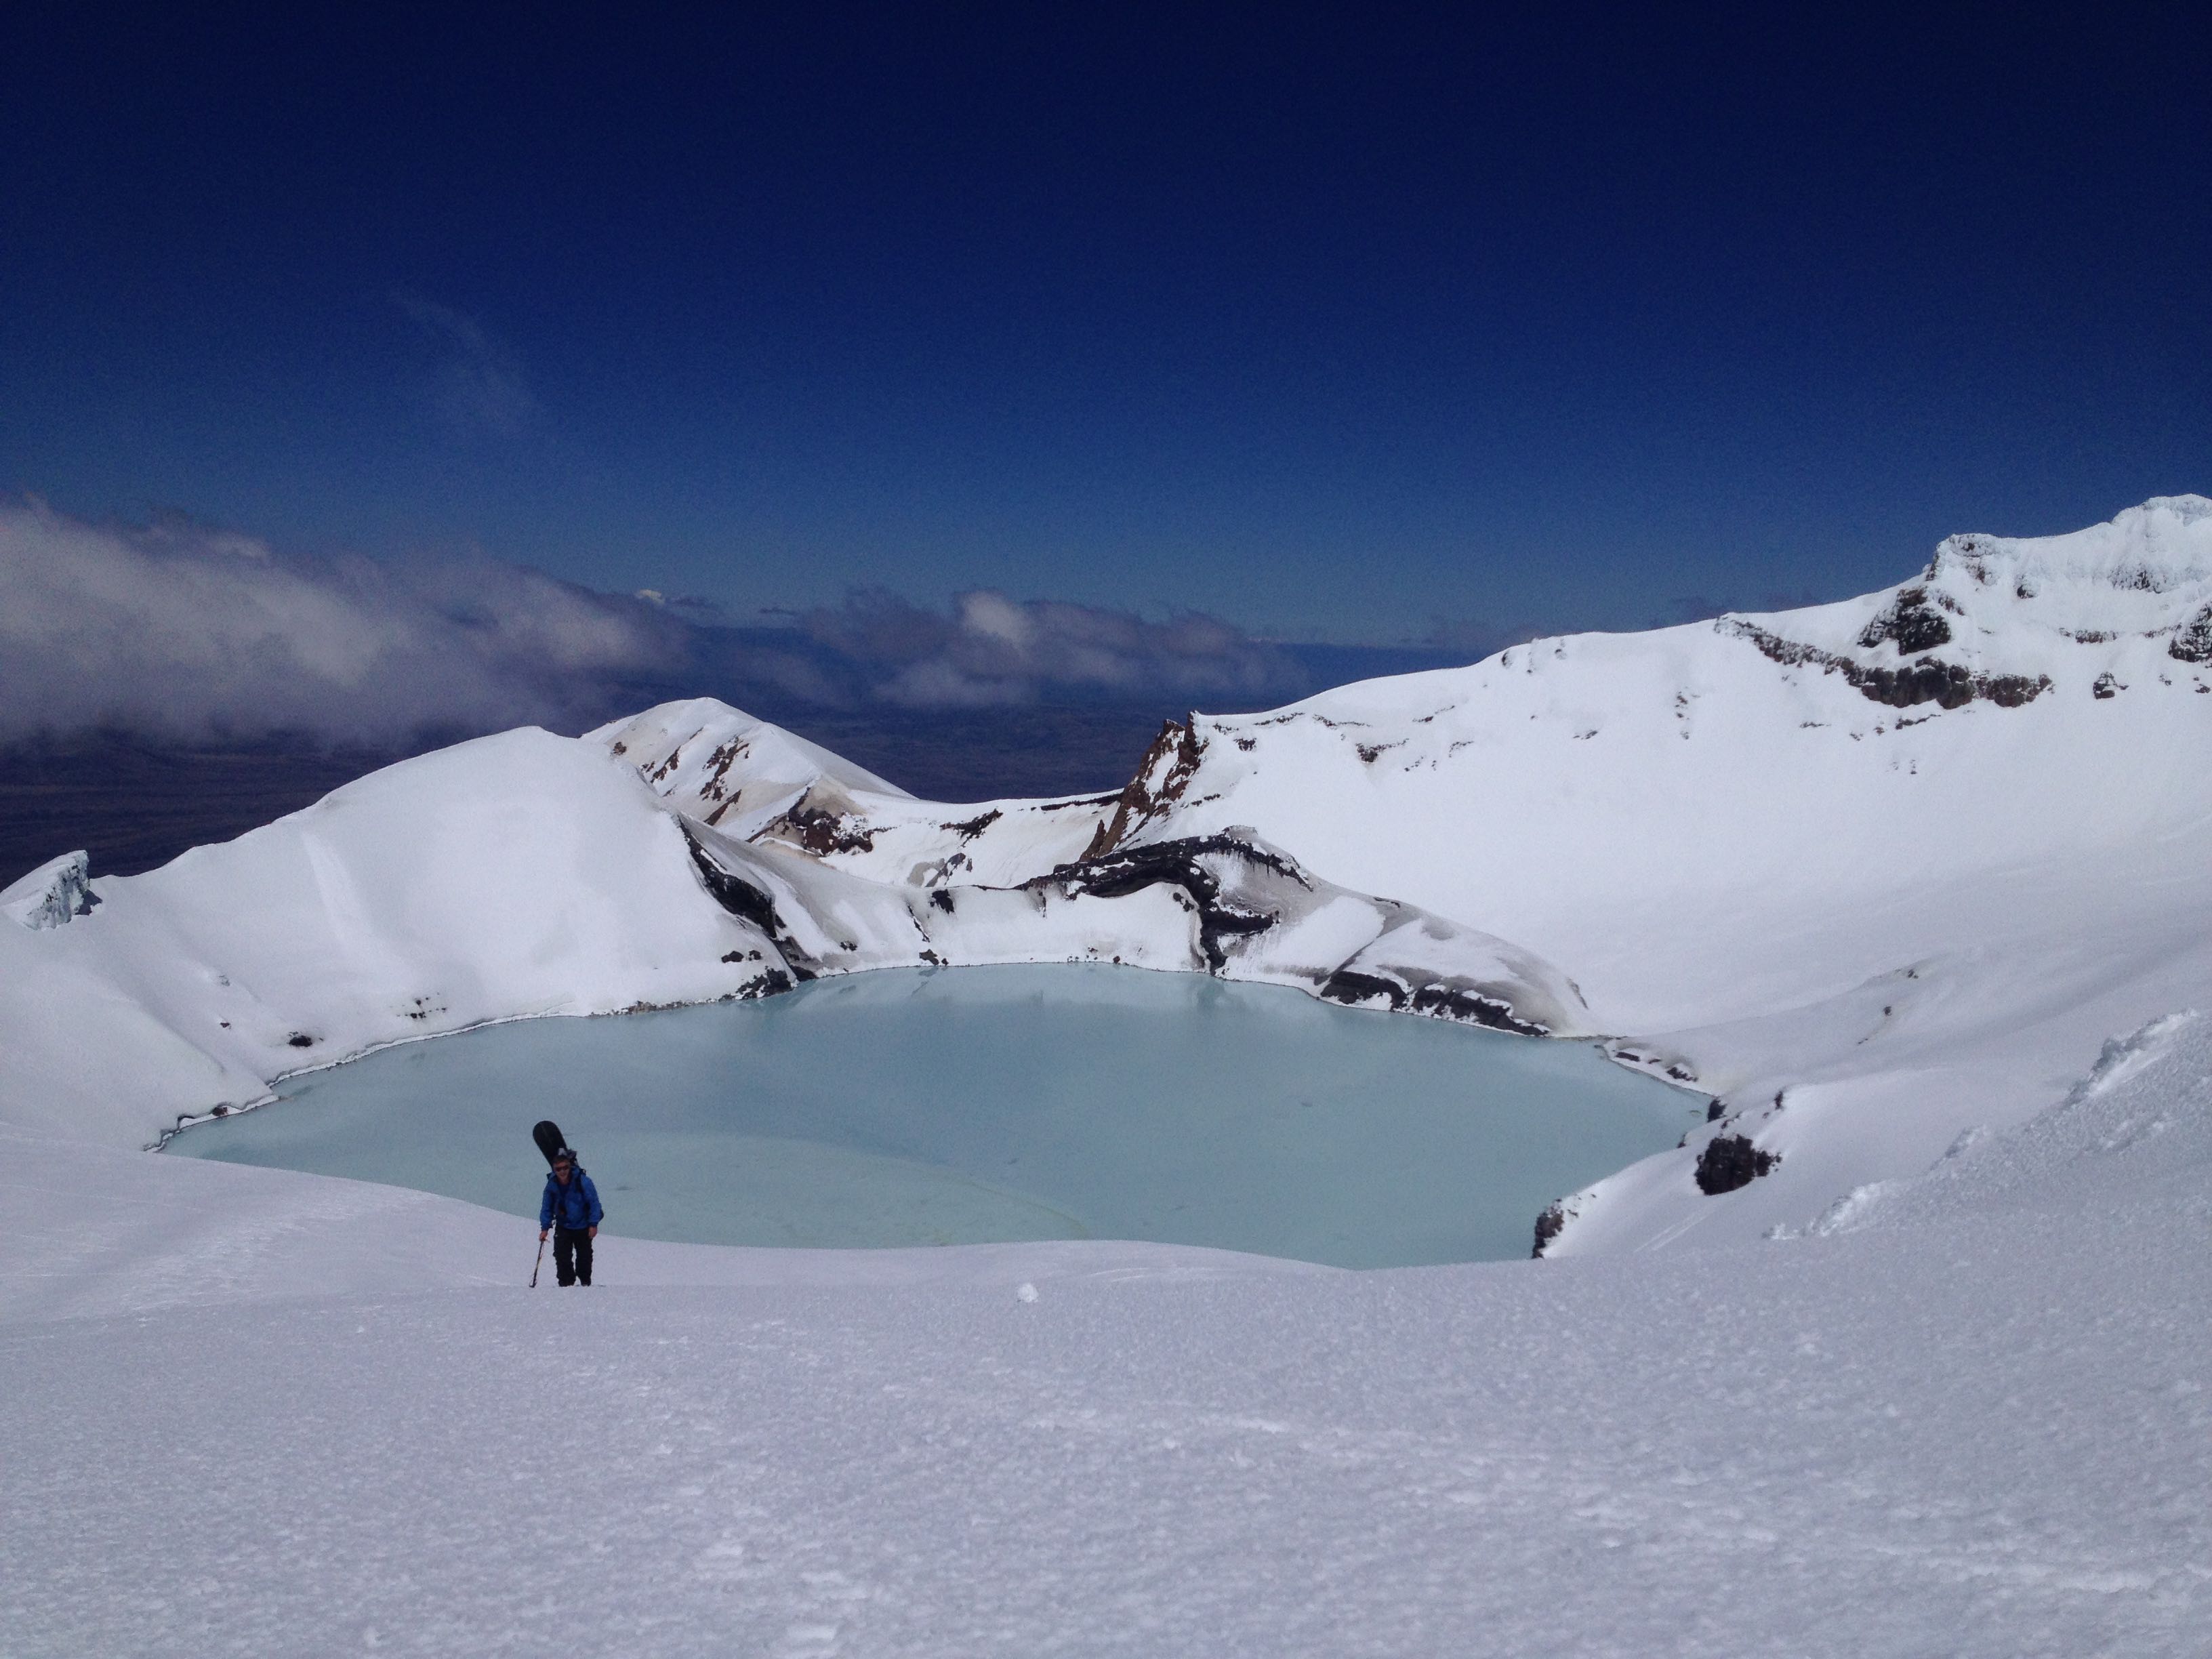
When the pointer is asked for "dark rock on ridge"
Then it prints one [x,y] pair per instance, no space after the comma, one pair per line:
[2192,641]
[977,825]
[1549,1226]
[1175,864]
[1949,685]
[749,903]
[823,832]
[1911,622]
[1351,988]
[1174,757]
[1729,1162]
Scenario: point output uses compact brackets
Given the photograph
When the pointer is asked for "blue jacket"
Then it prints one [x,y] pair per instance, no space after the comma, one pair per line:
[575,1206]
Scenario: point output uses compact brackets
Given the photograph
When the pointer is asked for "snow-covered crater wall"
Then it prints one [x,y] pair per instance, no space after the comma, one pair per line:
[1874,874]
[527,875]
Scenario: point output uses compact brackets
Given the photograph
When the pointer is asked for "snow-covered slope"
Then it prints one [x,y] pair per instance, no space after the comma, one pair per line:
[293,1415]
[1903,862]
[1603,797]
[516,875]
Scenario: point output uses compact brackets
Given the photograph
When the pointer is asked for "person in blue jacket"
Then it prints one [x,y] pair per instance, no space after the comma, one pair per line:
[571,1209]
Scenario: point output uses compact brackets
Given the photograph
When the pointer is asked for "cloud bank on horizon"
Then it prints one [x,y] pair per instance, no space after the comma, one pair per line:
[993,651]
[185,631]
[200,633]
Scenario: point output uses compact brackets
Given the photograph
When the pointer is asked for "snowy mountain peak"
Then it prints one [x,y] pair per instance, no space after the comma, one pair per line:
[722,766]
[2007,618]
[2160,549]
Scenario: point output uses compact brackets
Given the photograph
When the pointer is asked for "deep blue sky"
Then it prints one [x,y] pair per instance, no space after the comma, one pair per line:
[1354,326]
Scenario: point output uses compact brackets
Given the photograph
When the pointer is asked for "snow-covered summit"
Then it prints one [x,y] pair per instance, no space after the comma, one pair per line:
[2009,618]
[690,750]
[754,782]
[2161,547]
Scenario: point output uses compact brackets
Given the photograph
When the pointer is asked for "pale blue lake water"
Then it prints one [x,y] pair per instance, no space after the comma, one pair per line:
[977,1104]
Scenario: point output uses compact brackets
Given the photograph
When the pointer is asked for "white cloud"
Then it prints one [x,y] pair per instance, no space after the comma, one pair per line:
[994,650]
[204,633]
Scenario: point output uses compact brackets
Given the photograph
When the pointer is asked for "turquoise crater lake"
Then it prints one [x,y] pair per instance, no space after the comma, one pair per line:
[976,1105]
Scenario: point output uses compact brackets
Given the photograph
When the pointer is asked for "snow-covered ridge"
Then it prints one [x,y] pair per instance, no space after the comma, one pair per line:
[2006,618]
[56,891]
[843,873]
[676,858]
[755,783]
[1874,874]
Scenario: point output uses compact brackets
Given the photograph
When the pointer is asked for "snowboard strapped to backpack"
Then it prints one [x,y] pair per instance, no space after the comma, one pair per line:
[552,1143]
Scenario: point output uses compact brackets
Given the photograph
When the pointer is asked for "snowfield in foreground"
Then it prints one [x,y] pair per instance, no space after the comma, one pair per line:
[1917,886]
[294,1415]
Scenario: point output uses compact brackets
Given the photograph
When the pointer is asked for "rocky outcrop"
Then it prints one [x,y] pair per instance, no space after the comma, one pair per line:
[1911,622]
[1181,865]
[820,830]
[2192,641]
[1948,684]
[1161,776]
[1729,1162]
[1549,1226]
[749,903]
[1355,989]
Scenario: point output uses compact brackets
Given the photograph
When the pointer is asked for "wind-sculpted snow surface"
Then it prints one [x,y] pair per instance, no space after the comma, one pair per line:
[2139,1124]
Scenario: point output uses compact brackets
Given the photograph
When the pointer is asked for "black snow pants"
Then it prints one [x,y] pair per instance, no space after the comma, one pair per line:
[572,1254]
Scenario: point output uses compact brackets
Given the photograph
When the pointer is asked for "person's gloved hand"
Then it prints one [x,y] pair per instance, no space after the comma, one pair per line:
[541,1232]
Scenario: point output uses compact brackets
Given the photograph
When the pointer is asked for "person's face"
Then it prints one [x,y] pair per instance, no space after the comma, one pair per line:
[561,1172]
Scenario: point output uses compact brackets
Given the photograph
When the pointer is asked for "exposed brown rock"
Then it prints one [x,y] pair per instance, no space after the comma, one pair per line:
[1173,758]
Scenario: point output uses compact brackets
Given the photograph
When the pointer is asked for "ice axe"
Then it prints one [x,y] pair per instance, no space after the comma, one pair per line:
[540,1262]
